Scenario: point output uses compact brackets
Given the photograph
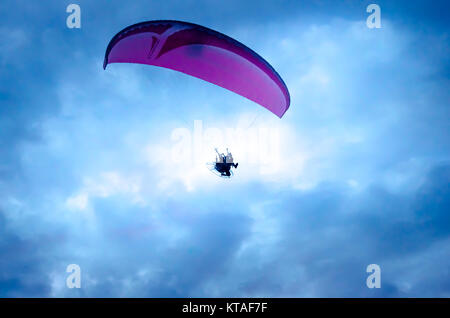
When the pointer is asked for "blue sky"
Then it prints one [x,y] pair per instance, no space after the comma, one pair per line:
[358,172]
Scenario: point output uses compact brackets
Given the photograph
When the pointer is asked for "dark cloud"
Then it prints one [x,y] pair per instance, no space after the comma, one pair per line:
[332,235]
[324,240]
[27,260]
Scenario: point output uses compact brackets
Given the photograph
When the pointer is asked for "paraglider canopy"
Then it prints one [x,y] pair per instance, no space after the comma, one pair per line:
[204,53]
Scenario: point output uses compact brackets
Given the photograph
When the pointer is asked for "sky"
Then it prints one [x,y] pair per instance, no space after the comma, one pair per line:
[93,170]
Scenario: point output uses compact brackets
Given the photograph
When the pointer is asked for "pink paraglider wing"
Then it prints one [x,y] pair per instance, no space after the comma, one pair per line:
[203,53]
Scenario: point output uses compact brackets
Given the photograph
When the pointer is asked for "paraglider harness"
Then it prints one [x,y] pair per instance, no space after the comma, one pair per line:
[224,163]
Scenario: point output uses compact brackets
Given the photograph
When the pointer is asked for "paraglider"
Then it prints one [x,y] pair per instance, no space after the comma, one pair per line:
[206,54]
[203,53]
[222,165]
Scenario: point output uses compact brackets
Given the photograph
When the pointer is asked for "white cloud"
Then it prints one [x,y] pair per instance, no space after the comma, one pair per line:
[106,185]
[78,202]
